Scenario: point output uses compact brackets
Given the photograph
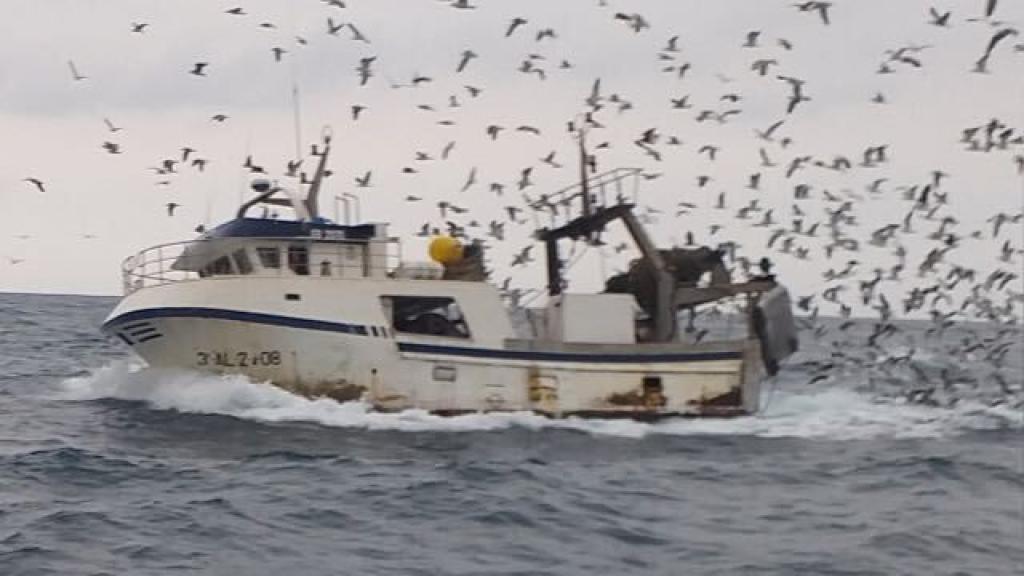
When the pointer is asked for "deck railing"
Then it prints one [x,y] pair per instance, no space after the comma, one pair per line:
[325,258]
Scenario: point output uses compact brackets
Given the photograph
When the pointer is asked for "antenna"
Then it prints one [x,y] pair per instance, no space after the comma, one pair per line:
[297,119]
[579,127]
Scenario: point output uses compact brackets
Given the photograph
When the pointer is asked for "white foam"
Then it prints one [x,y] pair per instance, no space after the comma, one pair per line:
[829,413]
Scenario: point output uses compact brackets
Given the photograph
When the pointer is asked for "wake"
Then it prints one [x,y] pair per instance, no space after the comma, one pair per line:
[835,413]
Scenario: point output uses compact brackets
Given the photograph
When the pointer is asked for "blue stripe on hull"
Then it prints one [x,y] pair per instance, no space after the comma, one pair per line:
[221,314]
[414,347]
[566,356]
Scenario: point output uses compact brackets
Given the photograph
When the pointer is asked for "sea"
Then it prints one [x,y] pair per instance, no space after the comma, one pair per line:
[110,468]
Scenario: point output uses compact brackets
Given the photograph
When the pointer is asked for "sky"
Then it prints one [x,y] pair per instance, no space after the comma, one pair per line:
[98,208]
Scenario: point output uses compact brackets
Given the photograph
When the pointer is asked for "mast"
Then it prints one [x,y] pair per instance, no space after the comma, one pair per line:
[584,185]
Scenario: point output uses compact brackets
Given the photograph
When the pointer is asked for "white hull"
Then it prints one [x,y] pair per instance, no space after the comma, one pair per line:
[331,337]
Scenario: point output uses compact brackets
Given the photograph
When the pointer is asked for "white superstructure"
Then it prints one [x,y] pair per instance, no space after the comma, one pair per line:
[325,309]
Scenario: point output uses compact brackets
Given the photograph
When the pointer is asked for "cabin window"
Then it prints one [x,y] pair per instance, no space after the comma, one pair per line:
[428,315]
[242,262]
[270,256]
[298,260]
[219,267]
[325,268]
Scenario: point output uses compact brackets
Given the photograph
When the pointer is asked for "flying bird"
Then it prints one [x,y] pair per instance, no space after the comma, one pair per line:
[356,34]
[364,69]
[516,23]
[981,65]
[939,19]
[199,68]
[467,55]
[171,206]
[821,7]
[333,28]
[75,75]
[37,183]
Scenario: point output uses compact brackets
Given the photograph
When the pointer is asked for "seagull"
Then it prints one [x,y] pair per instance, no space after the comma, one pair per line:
[761,66]
[278,51]
[470,180]
[333,28]
[941,20]
[364,69]
[797,96]
[75,75]
[139,27]
[110,125]
[523,257]
[546,33]
[171,206]
[235,11]
[356,34]
[981,65]
[197,70]
[821,7]
[364,181]
[218,117]
[37,182]
[467,55]
[516,23]
[767,134]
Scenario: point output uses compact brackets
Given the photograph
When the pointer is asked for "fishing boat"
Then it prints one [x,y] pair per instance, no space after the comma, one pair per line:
[327,309]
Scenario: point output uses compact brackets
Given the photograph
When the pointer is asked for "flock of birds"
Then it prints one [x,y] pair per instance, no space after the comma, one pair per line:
[931,269]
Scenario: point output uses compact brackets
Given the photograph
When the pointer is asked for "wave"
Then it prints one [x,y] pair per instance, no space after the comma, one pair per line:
[828,413]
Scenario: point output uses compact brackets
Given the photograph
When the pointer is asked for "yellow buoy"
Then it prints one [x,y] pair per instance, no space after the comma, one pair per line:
[445,250]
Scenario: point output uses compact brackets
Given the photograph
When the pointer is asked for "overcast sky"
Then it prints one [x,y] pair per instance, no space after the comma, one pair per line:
[98,207]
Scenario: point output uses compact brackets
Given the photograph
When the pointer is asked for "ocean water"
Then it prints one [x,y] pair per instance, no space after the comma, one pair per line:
[110,468]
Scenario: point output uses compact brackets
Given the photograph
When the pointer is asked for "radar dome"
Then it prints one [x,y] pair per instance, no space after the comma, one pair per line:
[260,185]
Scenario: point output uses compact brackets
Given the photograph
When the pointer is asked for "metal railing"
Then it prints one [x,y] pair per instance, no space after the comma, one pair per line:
[618,186]
[217,258]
